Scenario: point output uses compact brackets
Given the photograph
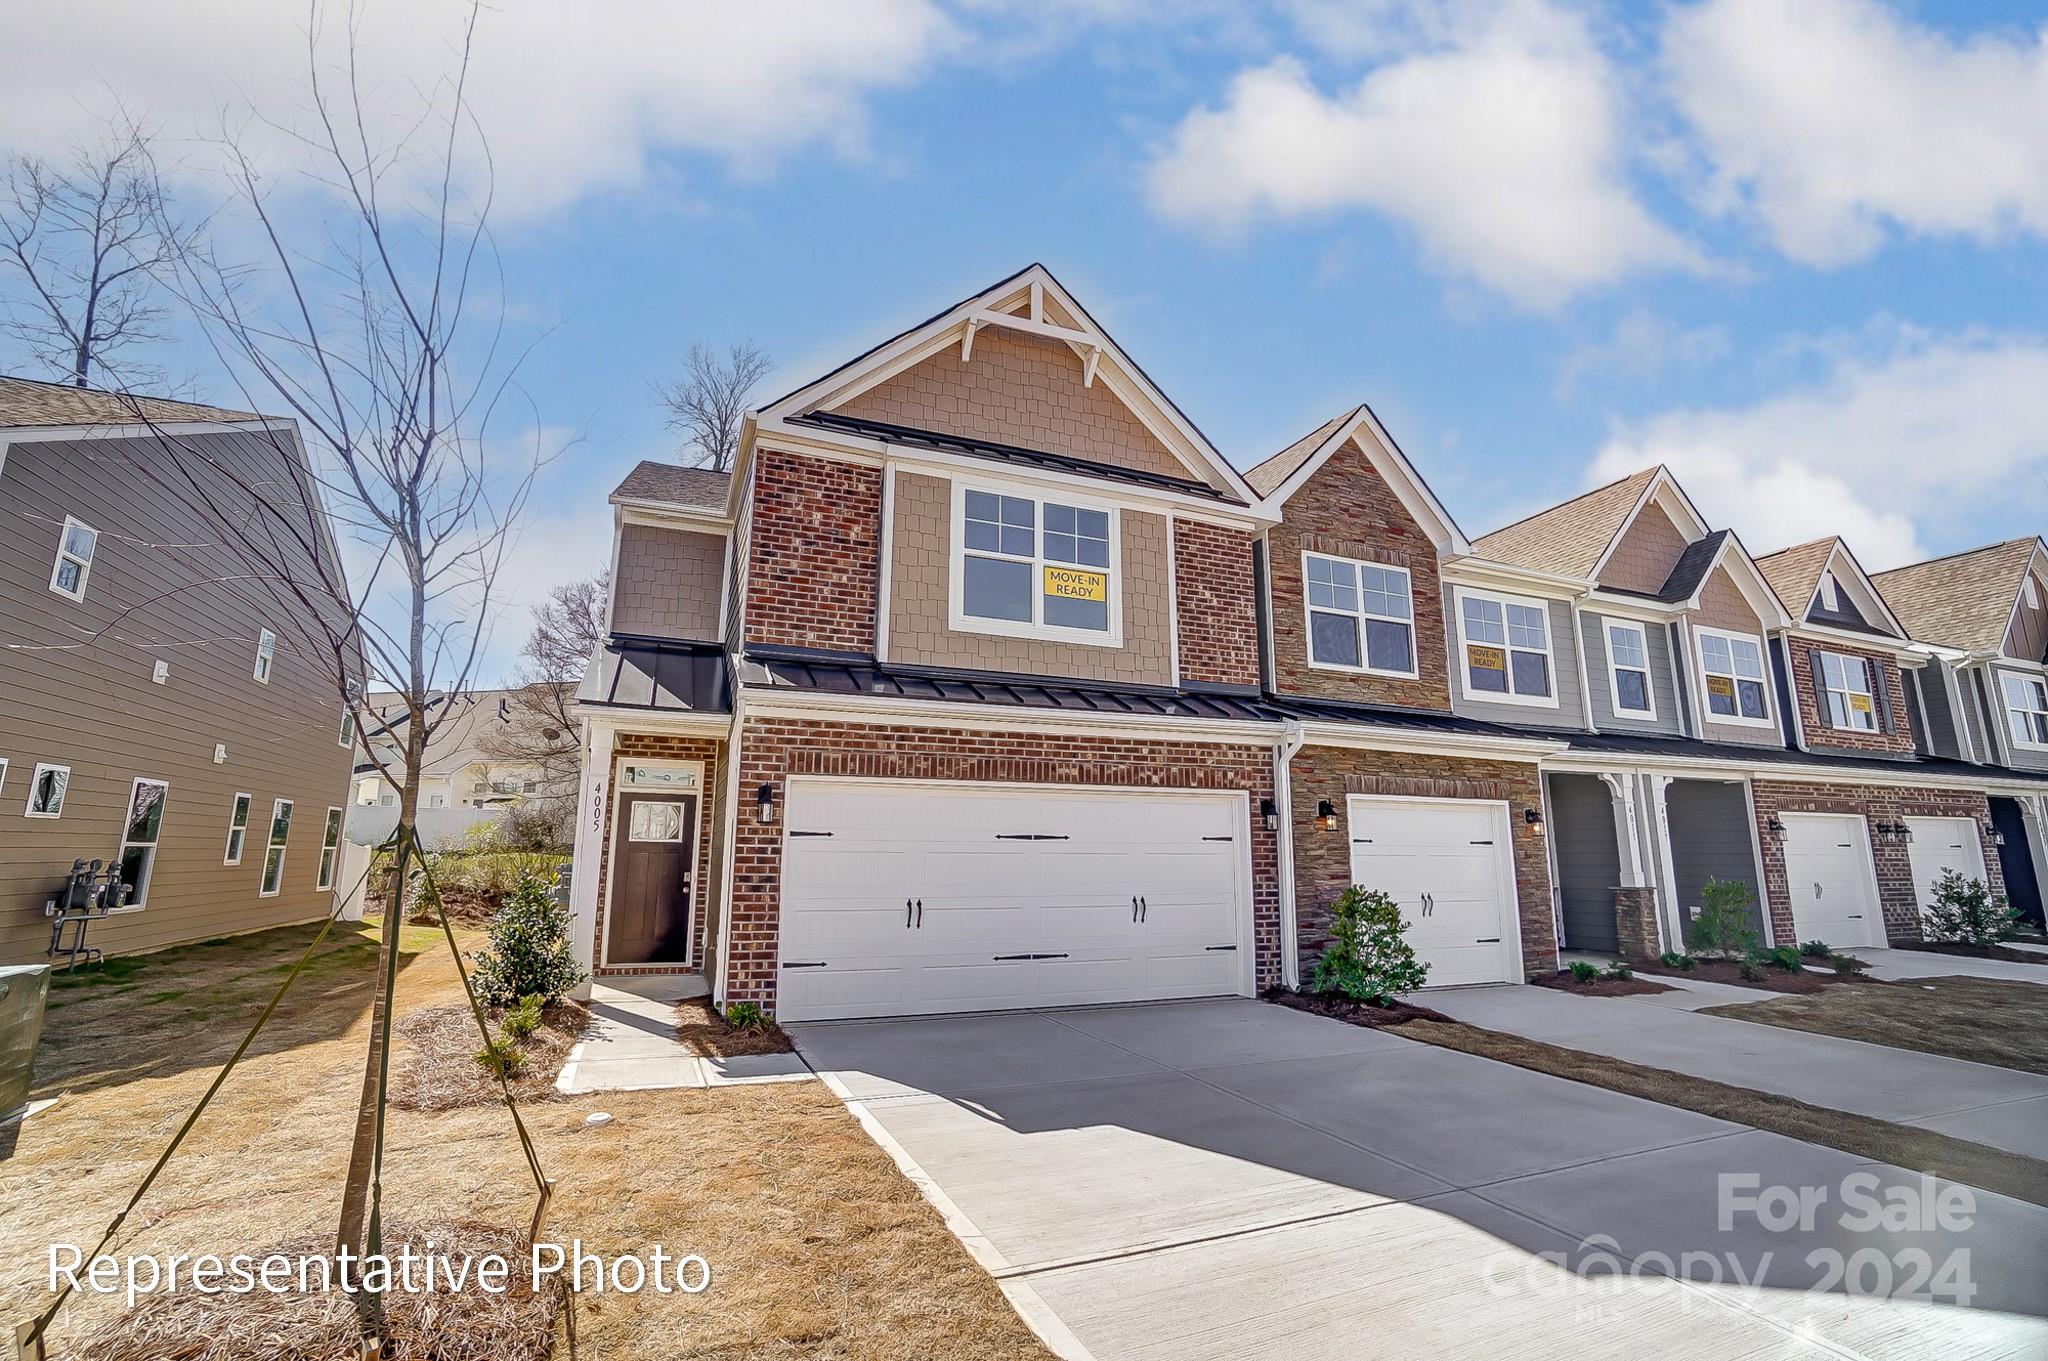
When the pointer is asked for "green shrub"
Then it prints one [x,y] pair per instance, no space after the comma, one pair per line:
[1672,960]
[523,1019]
[1848,966]
[1368,958]
[501,1057]
[1750,971]
[1583,971]
[1815,949]
[1965,911]
[529,953]
[746,1016]
[1786,957]
[1619,969]
[1722,930]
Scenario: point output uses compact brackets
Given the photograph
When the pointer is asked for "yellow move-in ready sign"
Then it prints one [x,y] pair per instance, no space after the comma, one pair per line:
[1721,687]
[1860,703]
[1486,658]
[1073,584]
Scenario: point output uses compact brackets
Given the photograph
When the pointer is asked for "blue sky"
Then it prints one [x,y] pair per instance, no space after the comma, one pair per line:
[1793,247]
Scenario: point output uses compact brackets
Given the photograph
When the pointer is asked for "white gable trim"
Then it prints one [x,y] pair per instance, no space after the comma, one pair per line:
[1663,489]
[1393,467]
[1102,360]
[1750,581]
[1858,583]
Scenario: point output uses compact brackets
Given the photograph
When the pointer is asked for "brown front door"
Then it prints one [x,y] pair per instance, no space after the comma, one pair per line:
[649,921]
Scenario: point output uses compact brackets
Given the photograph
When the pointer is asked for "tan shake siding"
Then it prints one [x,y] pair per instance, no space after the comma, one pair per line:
[1215,606]
[668,583]
[1893,859]
[1017,389]
[1347,510]
[920,570]
[1722,607]
[1649,549]
[703,877]
[1897,734]
[75,690]
[772,750]
[1322,859]
[814,552]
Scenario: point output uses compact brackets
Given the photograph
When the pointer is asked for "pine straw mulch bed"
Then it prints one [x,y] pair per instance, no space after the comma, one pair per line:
[440,1071]
[1726,971]
[1998,1021]
[705,1032]
[517,1324]
[1956,947]
[1352,1012]
[1562,981]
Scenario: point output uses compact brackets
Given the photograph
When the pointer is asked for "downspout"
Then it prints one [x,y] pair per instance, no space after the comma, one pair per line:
[731,833]
[1291,741]
[1585,681]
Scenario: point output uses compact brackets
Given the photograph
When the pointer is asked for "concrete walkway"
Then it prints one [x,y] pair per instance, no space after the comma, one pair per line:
[1890,966]
[1208,1181]
[1996,1106]
[631,1045]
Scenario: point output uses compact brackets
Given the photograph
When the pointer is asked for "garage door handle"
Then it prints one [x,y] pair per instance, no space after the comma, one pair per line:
[1219,838]
[808,964]
[1057,956]
[1004,959]
[1487,940]
[1816,888]
[920,914]
[1213,948]
[1487,842]
[810,833]
[1144,908]
[1032,836]
[906,914]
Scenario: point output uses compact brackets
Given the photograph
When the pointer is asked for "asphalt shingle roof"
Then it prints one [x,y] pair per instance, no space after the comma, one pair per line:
[32,402]
[696,488]
[1794,573]
[1267,477]
[1567,539]
[1964,600]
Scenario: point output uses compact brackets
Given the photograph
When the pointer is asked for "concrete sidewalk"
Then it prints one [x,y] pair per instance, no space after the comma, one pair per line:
[630,1045]
[1890,966]
[1996,1106]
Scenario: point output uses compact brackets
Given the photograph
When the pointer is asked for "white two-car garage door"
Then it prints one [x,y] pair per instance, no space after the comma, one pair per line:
[1451,867]
[1940,844]
[900,898]
[1832,883]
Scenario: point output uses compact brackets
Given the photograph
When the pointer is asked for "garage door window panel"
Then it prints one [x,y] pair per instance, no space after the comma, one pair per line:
[1732,678]
[1505,642]
[1035,567]
[1361,616]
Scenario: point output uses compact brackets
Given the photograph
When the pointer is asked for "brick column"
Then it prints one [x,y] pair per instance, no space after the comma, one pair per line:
[1635,921]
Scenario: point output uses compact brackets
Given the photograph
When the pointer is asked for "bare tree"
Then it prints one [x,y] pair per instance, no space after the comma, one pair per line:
[540,729]
[708,402]
[87,242]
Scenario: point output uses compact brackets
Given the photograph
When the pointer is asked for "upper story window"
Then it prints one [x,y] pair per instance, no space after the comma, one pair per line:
[273,854]
[74,558]
[347,734]
[1847,695]
[1032,567]
[139,836]
[266,654]
[1505,643]
[1361,615]
[2026,709]
[238,829]
[1628,664]
[46,790]
[1732,677]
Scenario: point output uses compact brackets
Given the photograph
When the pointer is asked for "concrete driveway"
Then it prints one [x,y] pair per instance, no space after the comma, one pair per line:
[1223,1179]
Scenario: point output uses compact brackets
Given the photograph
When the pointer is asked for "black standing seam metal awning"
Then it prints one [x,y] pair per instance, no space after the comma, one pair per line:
[658,675]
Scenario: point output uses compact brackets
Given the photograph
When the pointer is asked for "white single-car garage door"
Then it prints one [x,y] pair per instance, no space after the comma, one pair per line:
[1940,844]
[900,898]
[1450,865]
[1832,883]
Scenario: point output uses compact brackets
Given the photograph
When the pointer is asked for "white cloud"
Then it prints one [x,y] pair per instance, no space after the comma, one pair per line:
[1831,118]
[1501,146]
[1930,434]
[572,98]
[1642,345]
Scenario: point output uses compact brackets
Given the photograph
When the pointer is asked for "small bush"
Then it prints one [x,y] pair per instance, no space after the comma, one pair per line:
[746,1017]
[1848,966]
[1672,960]
[1584,972]
[1722,930]
[1750,971]
[1368,958]
[1815,949]
[1786,957]
[525,1018]
[501,1057]
[1965,911]
[529,953]
[1619,969]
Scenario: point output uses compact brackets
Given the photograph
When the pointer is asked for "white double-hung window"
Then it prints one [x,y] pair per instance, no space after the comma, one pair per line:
[2026,709]
[1628,667]
[1504,649]
[1361,615]
[1846,693]
[74,558]
[139,836]
[1732,677]
[1027,566]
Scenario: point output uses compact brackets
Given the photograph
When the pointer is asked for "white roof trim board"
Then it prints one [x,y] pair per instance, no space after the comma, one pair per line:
[1393,467]
[1663,489]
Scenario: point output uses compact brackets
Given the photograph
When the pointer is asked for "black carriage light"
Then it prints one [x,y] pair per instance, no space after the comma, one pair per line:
[1269,814]
[1776,827]
[1326,815]
[1532,817]
[764,803]
[1997,837]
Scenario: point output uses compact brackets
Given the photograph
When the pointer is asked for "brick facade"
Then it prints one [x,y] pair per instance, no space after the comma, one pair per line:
[1348,510]
[1873,803]
[704,878]
[1217,615]
[814,552]
[1322,859]
[772,750]
[1896,734]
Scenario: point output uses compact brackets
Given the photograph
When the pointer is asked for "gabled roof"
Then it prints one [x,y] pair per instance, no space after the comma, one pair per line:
[1280,476]
[1687,579]
[1692,567]
[690,488]
[1795,574]
[32,402]
[1570,539]
[1031,289]
[1964,600]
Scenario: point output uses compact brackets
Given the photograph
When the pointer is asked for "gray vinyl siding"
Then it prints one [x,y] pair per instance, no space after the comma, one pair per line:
[1710,838]
[76,690]
[2018,757]
[1564,663]
[1600,681]
[1934,717]
[1973,716]
[1582,838]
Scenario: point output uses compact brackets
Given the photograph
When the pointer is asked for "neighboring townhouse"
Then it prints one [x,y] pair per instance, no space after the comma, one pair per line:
[1984,696]
[476,757]
[155,713]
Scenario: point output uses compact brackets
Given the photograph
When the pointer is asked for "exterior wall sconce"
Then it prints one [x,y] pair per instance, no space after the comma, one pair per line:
[1776,827]
[1269,815]
[1532,817]
[764,804]
[1997,837]
[1326,815]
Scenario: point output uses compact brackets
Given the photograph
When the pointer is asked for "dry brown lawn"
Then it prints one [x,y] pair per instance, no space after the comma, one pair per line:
[1985,1020]
[818,1246]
